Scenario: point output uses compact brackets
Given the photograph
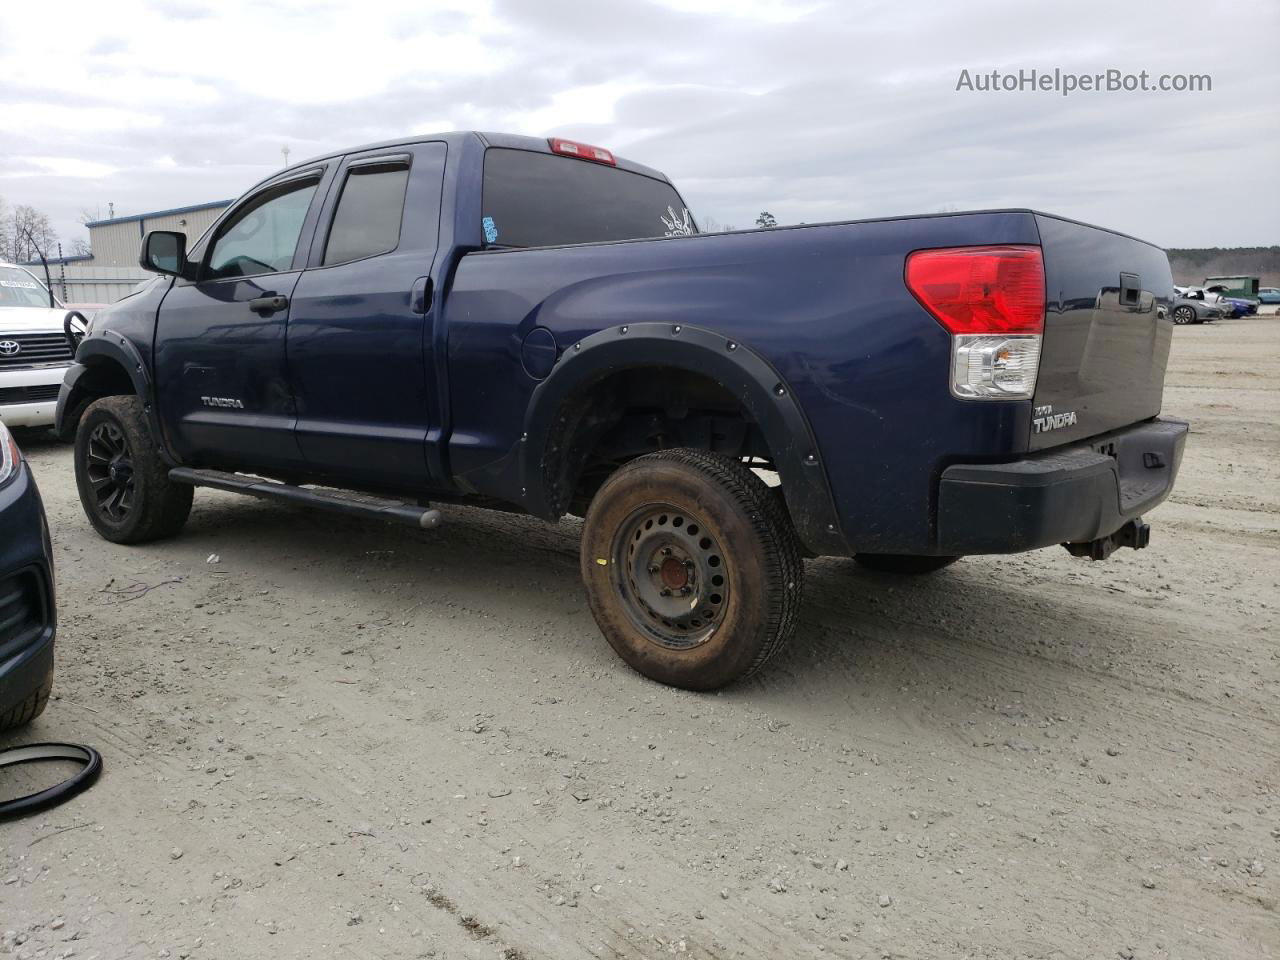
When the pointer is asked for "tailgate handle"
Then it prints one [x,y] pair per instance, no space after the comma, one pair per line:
[1130,290]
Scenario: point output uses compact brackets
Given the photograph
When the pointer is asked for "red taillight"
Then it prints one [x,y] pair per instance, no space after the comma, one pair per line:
[981,289]
[583,151]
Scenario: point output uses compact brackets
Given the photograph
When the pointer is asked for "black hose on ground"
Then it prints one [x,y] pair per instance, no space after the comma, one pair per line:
[58,793]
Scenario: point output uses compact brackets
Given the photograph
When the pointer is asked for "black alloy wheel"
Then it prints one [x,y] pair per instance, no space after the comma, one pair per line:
[109,466]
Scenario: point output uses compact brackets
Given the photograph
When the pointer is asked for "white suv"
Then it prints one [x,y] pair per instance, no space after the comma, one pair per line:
[34,352]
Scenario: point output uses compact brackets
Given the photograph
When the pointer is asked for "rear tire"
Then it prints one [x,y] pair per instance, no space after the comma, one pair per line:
[902,563]
[124,484]
[29,708]
[1184,315]
[691,568]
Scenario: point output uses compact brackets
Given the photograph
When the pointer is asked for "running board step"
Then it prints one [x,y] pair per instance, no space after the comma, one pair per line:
[337,501]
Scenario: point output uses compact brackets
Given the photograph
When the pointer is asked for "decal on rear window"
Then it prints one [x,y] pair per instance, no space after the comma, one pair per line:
[20,284]
[680,224]
[490,230]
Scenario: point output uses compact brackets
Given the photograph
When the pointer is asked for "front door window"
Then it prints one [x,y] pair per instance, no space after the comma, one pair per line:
[262,237]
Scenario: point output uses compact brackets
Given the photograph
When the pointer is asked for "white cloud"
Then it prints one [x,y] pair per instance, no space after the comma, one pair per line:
[814,110]
[33,118]
[60,167]
[767,11]
[594,104]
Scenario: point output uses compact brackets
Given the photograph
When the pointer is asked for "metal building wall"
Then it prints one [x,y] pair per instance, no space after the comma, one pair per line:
[116,243]
[197,222]
[76,284]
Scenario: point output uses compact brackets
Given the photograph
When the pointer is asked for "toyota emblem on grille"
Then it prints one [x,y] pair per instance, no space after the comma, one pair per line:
[9,348]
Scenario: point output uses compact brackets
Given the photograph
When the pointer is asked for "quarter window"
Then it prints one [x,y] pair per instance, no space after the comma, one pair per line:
[369,213]
[263,236]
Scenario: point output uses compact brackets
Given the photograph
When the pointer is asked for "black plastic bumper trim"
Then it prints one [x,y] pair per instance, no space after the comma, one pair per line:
[1074,494]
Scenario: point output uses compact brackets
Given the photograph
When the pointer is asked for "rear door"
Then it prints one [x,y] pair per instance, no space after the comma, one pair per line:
[360,356]
[223,392]
[1108,328]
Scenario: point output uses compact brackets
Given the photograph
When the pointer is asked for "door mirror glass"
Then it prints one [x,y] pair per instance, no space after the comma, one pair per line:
[164,251]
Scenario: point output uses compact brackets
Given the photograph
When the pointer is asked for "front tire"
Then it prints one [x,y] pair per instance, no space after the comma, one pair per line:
[30,708]
[1184,315]
[691,567]
[124,484]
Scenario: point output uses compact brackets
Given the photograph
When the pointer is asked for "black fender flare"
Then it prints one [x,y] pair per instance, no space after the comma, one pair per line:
[767,398]
[93,352]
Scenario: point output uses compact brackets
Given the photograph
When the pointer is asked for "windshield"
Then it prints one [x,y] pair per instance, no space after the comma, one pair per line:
[20,289]
[541,200]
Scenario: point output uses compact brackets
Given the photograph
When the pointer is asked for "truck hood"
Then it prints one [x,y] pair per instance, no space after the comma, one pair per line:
[31,320]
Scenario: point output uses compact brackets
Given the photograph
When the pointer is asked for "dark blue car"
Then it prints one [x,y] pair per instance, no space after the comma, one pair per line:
[27,620]
[538,325]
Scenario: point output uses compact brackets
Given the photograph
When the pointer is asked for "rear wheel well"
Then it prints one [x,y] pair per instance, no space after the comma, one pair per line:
[629,413]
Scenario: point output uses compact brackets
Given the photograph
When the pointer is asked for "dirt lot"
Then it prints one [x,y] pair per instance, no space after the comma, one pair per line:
[352,740]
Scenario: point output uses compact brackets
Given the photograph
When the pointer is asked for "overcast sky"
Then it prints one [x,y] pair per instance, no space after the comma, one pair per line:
[812,110]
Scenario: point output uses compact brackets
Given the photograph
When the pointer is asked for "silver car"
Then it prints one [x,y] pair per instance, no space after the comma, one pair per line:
[1193,305]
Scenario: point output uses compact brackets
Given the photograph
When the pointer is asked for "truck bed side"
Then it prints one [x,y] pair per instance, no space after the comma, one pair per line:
[824,305]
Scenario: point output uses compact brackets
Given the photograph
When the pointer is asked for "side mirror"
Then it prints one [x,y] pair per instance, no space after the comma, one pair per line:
[75,327]
[165,251]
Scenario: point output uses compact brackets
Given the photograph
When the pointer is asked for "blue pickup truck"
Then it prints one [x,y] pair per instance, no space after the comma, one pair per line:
[538,325]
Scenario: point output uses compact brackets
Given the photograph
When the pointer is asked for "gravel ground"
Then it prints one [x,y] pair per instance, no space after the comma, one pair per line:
[330,738]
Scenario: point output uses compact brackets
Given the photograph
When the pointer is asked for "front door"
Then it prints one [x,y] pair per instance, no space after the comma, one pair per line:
[221,380]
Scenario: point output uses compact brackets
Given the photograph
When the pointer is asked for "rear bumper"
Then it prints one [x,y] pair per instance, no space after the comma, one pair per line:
[29,620]
[1073,494]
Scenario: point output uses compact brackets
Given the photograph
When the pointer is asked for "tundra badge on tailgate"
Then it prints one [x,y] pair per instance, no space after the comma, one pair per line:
[1046,420]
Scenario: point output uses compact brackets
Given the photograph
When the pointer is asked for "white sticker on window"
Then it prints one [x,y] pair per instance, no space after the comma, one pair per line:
[680,224]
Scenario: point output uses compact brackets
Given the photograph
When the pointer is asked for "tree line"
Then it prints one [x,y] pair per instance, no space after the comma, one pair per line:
[24,232]
[711,225]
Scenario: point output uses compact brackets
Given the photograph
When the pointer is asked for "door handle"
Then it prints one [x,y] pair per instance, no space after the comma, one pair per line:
[420,295]
[269,304]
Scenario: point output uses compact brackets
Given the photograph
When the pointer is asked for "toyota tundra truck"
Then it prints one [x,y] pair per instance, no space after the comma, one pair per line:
[537,325]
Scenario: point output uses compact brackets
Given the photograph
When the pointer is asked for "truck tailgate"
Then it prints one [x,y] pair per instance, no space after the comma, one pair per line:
[1106,332]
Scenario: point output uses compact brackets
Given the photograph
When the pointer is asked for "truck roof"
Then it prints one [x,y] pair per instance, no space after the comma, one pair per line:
[511,141]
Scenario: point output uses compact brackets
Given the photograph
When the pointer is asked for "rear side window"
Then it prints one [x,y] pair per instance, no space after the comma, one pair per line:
[540,199]
[367,221]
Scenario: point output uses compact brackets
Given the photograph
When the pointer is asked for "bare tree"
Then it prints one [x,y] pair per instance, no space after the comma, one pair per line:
[6,230]
[30,233]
